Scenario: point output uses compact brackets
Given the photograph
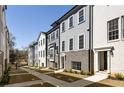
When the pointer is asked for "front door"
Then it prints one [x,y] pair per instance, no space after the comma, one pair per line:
[102,60]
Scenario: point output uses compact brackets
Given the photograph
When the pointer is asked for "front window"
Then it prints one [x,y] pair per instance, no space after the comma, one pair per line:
[113,31]
[123,27]
[41,53]
[71,44]
[70,22]
[63,27]
[43,41]
[57,33]
[81,41]
[81,16]
[63,45]
[76,65]
[51,53]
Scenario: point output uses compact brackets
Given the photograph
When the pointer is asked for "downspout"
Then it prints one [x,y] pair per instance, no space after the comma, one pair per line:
[90,38]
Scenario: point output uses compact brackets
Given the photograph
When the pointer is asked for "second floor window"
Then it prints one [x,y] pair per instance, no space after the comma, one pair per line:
[81,16]
[63,45]
[122,26]
[71,44]
[71,22]
[43,41]
[41,53]
[48,38]
[63,27]
[81,41]
[53,36]
[113,32]
[57,33]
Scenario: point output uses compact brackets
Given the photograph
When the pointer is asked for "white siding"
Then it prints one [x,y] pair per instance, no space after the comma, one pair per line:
[102,14]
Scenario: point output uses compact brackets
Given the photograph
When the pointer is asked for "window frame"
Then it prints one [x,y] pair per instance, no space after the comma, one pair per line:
[113,30]
[63,45]
[71,43]
[122,27]
[63,27]
[84,15]
[76,65]
[72,24]
[79,42]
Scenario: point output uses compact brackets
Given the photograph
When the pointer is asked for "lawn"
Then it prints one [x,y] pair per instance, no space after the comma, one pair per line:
[44,85]
[63,77]
[22,78]
[108,83]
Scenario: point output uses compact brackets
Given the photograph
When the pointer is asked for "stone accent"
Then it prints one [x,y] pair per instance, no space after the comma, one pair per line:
[78,56]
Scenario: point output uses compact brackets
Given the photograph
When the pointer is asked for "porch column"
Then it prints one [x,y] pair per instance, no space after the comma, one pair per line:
[108,61]
[96,62]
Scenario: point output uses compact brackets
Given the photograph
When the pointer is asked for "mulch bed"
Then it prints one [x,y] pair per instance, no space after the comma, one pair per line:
[64,77]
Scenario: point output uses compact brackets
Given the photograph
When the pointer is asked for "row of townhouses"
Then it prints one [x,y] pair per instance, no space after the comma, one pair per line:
[87,38]
[4,41]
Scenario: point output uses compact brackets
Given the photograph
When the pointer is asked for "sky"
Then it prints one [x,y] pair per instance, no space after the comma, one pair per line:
[26,22]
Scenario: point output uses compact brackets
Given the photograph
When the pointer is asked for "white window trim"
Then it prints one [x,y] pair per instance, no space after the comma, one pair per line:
[61,27]
[115,40]
[84,9]
[69,22]
[84,42]
[122,37]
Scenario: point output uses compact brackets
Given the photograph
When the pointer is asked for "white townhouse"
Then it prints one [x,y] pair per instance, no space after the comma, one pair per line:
[4,41]
[53,47]
[74,39]
[31,54]
[108,38]
[42,49]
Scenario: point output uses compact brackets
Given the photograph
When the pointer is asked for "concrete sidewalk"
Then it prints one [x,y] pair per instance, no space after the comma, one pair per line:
[24,84]
[80,83]
[47,78]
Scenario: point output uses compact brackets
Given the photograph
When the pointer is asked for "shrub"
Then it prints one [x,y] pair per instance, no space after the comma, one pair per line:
[75,72]
[88,73]
[83,73]
[5,77]
[119,76]
[65,70]
[71,71]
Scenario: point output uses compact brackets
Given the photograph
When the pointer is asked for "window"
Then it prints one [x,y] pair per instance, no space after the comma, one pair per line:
[51,53]
[63,27]
[81,41]
[122,26]
[57,33]
[81,16]
[57,49]
[48,38]
[71,22]
[76,65]
[43,41]
[53,36]
[39,43]
[71,44]
[63,45]
[41,53]
[113,29]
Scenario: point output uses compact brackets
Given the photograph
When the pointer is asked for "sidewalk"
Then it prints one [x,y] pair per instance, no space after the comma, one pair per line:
[47,78]
[24,84]
[80,83]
